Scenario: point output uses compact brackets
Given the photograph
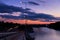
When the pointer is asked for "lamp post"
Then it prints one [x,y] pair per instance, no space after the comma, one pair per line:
[26,28]
[25,25]
[24,3]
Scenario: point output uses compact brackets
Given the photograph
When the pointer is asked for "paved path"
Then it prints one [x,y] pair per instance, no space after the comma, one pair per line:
[15,36]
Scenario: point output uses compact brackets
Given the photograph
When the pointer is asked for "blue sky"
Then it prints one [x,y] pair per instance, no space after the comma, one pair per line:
[51,7]
[44,10]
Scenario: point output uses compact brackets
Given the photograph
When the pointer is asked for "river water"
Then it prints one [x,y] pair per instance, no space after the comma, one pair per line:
[42,33]
[46,34]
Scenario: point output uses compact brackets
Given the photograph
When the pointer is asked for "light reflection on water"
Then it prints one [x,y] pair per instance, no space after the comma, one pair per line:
[46,34]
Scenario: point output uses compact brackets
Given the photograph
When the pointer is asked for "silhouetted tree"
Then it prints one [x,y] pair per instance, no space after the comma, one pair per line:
[55,26]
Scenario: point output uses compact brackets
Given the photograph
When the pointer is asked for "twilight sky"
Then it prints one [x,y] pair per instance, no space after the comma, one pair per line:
[35,11]
[51,7]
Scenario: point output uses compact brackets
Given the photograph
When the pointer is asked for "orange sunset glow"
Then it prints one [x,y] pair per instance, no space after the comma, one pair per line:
[27,21]
[21,21]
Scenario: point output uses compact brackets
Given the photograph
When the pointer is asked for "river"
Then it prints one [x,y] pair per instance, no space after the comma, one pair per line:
[46,34]
[42,33]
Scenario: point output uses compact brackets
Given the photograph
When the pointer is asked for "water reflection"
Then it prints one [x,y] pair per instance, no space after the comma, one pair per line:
[46,34]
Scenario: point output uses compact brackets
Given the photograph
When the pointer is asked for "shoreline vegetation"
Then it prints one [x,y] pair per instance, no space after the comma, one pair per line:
[14,27]
[10,26]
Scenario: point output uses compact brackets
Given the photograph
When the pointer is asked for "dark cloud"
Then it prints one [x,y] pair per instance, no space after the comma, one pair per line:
[33,15]
[27,9]
[8,9]
[38,16]
[34,3]
[30,15]
[12,17]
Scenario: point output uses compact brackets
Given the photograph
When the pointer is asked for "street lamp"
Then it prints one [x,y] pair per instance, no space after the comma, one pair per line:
[25,27]
[24,13]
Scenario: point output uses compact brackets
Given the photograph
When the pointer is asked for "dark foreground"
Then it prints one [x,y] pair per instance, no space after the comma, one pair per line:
[28,32]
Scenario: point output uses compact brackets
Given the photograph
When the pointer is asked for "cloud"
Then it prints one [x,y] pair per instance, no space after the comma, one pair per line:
[8,9]
[33,3]
[33,15]
[30,16]
[4,14]
[12,20]
[16,14]
[13,14]
[27,9]
[23,21]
